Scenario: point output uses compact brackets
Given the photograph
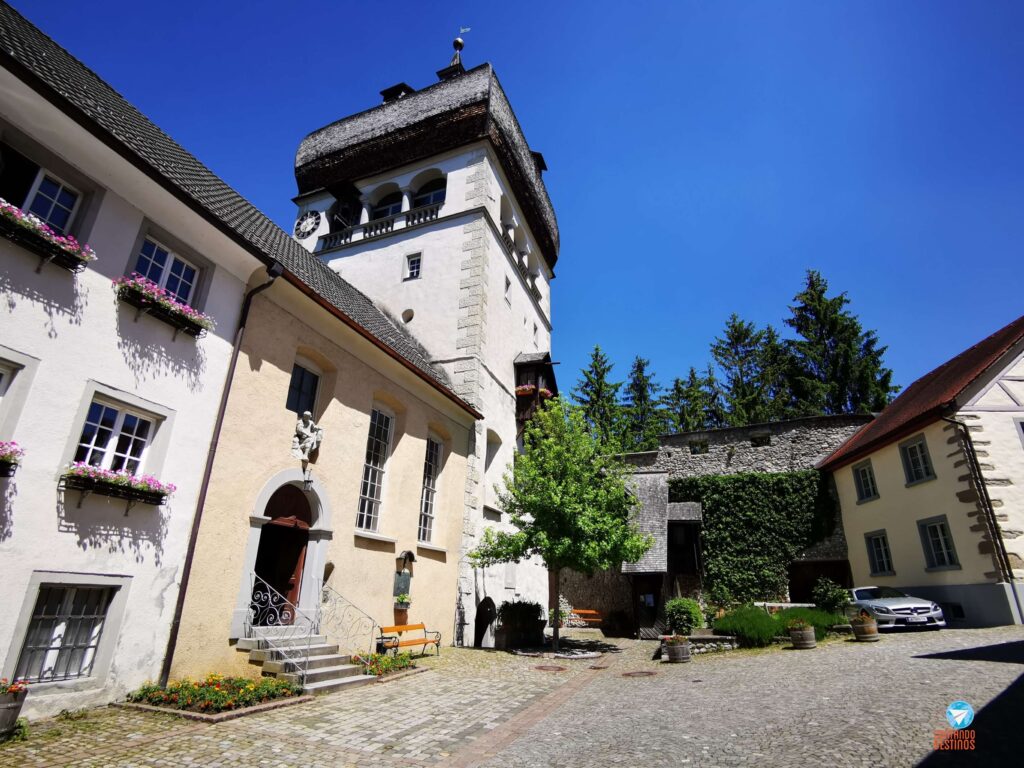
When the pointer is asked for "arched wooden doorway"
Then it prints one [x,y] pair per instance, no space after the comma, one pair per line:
[281,556]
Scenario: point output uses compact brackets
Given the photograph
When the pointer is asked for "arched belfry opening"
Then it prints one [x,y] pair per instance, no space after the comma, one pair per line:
[281,556]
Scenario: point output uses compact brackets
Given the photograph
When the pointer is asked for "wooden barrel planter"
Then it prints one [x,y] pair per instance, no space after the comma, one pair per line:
[865,630]
[678,653]
[803,638]
[10,709]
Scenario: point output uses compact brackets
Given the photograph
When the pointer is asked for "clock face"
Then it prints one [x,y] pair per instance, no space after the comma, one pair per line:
[307,224]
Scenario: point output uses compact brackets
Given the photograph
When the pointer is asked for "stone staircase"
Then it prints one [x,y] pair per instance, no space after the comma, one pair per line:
[284,655]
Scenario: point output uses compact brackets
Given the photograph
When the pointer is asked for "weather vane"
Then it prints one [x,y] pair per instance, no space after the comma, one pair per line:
[457,44]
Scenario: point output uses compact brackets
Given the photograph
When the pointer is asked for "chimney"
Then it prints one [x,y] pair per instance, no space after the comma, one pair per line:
[396,92]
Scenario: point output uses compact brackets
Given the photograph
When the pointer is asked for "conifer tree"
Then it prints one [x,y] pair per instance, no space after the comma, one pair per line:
[598,398]
[643,420]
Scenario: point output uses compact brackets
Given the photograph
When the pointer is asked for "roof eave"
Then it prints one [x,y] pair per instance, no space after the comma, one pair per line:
[927,417]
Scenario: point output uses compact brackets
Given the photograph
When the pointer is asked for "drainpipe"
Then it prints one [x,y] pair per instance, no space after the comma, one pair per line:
[986,504]
[274,270]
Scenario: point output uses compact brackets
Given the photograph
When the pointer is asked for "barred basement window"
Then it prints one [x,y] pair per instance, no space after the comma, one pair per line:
[378,443]
[431,468]
[64,633]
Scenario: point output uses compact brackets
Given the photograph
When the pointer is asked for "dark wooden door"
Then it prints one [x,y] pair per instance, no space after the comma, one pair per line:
[647,598]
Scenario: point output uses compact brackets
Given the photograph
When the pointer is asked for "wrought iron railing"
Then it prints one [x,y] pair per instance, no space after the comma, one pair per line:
[280,626]
[352,628]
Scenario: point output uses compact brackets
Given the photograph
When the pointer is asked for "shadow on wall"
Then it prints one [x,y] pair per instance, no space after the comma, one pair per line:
[180,357]
[101,523]
[7,508]
[996,725]
[62,299]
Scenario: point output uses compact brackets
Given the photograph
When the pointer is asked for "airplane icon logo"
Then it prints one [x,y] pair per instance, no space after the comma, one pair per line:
[960,714]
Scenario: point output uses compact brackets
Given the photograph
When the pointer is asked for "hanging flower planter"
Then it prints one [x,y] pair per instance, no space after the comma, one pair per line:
[10,456]
[146,296]
[141,489]
[545,393]
[30,232]
[525,390]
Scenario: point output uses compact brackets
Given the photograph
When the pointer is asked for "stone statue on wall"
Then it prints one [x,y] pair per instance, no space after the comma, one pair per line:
[307,437]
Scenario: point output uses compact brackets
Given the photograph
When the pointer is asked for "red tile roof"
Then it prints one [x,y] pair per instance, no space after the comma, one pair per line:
[926,399]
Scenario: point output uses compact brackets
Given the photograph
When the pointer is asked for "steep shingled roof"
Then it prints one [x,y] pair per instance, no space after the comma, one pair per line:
[928,397]
[452,113]
[77,90]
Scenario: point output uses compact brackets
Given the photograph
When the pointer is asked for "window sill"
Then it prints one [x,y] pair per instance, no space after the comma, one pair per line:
[934,568]
[409,278]
[883,573]
[912,483]
[431,547]
[373,536]
[869,499]
[55,687]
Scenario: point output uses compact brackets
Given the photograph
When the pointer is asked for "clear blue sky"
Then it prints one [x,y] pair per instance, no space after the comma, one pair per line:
[702,154]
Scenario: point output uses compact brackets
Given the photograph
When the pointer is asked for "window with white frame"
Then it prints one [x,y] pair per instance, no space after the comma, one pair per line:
[53,201]
[6,377]
[879,557]
[378,444]
[864,480]
[64,632]
[917,464]
[937,543]
[389,205]
[168,270]
[302,389]
[114,437]
[430,193]
[431,469]
[413,262]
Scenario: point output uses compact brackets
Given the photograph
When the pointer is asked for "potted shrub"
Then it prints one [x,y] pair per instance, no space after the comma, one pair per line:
[683,615]
[402,602]
[801,634]
[678,648]
[31,232]
[12,696]
[865,628]
[10,456]
[118,485]
[145,295]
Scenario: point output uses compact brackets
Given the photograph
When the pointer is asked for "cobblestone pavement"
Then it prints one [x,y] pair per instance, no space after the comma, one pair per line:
[842,704]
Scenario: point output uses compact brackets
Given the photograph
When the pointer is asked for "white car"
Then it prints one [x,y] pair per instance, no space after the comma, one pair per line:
[892,608]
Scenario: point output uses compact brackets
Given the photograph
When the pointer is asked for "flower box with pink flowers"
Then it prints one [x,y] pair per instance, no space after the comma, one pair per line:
[146,296]
[144,489]
[10,458]
[33,234]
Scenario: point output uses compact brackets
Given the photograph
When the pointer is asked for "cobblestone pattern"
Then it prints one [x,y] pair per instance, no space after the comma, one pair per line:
[843,704]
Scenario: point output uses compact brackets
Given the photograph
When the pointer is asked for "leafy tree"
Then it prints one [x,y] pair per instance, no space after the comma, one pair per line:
[837,365]
[643,419]
[598,398]
[567,501]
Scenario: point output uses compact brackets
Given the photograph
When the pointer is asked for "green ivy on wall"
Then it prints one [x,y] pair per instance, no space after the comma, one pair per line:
[754,525]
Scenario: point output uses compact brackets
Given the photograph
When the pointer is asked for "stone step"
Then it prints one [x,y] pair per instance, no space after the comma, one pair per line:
[271,654]
[323,674]
[255,643]
[337,684]
[312,662]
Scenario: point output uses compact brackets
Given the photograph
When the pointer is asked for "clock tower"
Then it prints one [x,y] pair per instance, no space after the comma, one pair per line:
[433,204]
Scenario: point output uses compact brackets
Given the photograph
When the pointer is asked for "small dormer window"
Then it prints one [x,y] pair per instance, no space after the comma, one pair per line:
[430,193]
[389,205]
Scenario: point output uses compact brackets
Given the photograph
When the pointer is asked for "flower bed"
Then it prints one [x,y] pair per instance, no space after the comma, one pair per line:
[32,233]
[10,456]
[214,694]
[143,294]
[119,485]
[380,664]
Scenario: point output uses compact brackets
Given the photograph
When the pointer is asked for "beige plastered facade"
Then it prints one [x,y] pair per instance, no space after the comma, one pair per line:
[993,412]
[254,459]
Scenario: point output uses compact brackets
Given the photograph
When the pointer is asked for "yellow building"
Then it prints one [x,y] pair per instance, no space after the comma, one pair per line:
[311,553]
[931,490]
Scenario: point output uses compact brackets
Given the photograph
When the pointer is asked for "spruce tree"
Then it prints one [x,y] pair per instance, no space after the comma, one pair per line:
[688,404]
[738,353]
[644,421]
[598,398]
[837,365]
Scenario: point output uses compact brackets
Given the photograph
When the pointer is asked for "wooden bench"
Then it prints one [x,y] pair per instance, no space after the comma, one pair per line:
[389,640]
[585,614]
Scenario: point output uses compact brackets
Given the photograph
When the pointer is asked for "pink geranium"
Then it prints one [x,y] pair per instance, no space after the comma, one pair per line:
[121,477]
[143,286]
[10,452]
[35,224]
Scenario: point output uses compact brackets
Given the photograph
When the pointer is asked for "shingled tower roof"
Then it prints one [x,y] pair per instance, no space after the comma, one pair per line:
[457,111]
